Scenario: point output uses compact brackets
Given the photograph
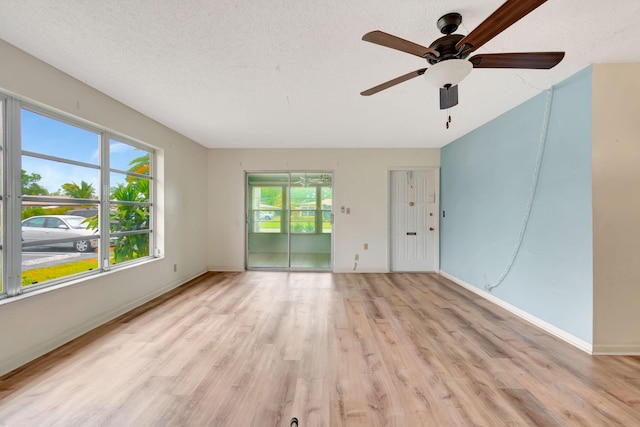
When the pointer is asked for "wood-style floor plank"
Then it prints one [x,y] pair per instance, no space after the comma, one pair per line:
[257,348]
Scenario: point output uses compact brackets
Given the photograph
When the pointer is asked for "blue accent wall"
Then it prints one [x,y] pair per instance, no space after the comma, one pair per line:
[485,181]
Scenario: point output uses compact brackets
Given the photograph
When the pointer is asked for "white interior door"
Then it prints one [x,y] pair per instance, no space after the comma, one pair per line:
[414,220]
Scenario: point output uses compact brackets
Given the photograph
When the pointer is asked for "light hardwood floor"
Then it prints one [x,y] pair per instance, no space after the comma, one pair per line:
[256,348]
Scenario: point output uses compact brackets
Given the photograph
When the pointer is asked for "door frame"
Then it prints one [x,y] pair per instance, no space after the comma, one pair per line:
[435,171]
[287,209]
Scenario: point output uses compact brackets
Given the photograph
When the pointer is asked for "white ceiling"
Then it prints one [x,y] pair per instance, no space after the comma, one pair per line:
[288,73]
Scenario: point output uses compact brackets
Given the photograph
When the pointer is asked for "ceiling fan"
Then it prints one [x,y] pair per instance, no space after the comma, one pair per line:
[448,55]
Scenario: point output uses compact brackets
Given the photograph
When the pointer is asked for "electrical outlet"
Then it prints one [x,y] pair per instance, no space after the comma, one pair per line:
[357,257]
[366,246]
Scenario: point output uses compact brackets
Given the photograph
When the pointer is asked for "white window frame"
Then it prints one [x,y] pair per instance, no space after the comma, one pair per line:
[12,197]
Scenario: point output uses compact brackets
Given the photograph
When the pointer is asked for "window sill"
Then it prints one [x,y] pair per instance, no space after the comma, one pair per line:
[81,280]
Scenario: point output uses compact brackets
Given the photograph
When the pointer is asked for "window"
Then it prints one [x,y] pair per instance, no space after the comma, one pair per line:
[34,222]
[307,194]
[303,209]
[60,171]
[86,198]
[311,209]
[129,201]
[266,209]
[325,202]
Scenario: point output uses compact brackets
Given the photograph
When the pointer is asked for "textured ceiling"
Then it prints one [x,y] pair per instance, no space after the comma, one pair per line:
[288,73]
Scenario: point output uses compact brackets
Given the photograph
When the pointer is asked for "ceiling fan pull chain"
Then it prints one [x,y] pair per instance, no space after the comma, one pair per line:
[448,119]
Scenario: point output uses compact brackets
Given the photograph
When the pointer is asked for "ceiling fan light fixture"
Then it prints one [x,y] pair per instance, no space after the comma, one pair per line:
[448,72]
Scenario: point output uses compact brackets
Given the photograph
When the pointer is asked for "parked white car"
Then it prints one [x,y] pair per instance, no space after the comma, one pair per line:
[49,228]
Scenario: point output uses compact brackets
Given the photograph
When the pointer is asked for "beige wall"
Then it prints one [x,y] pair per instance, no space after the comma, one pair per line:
[616,207]
[36,324]
[360,182]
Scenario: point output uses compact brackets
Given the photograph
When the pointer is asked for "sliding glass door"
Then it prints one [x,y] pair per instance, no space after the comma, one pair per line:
[289,220]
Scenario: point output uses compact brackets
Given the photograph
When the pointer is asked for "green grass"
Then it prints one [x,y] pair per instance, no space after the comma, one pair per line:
[270,224]
[39,275]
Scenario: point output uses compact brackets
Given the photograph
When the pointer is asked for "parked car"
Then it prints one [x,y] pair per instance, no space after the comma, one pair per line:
[85,213]
[54,227]
[265,216]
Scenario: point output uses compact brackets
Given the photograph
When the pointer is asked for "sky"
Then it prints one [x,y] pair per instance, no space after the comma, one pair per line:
[50,137]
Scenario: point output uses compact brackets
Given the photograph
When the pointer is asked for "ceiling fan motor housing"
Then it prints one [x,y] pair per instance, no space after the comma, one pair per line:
[446,46]
[449,23]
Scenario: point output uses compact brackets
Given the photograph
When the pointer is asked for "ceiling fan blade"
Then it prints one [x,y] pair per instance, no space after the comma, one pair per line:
[531,60]
[388,40]
[505,16]
[393,82]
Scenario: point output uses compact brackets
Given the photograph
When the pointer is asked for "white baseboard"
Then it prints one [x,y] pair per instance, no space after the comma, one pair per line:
[616,350]
[553,330]
[225,269]
[44,347]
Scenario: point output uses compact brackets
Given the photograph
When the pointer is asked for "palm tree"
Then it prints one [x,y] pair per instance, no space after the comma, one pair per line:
[126,217]
[139,165]
[82,191]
